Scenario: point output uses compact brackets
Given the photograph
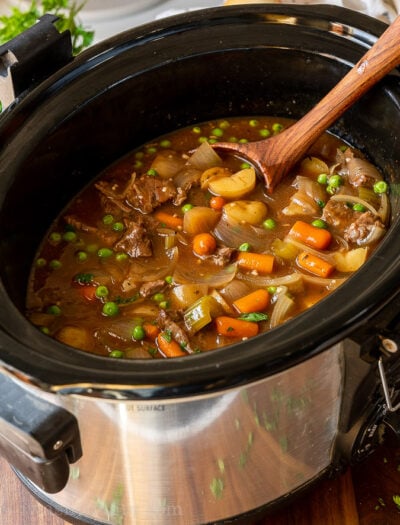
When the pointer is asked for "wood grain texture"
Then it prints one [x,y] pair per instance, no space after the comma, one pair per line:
[361,496]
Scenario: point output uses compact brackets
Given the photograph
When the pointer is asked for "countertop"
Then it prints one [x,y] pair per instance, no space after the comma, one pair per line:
[363,495]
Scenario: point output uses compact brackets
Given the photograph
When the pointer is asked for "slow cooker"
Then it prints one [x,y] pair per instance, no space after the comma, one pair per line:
[226,435]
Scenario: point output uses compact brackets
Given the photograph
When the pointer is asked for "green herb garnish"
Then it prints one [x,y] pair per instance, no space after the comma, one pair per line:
[67,11]
[254,317]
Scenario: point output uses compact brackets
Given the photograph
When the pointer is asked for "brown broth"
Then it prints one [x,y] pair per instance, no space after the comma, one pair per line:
[87,291]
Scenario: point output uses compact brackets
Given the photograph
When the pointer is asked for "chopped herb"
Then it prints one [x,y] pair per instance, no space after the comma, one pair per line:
[167,335]
[217,487]
[254,317]
[83,278]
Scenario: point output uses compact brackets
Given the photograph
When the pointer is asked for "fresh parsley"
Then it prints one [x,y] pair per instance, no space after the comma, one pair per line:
[254,317]
[67,12]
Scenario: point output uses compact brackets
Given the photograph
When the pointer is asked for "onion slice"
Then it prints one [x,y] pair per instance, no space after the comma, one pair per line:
[214,280]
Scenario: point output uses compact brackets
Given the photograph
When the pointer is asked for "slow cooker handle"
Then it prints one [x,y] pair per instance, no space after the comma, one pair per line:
[38,438]
[32,56]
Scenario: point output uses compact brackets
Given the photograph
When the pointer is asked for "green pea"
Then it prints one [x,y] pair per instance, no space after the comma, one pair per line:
[41,262]
[245,166]
[169,279]
[253,123]
[118,227]
[269,224]
[217,132]
[244,247]
[54,309]
[163,304]
[55,237]
[232,139]
[196,130]
[104,252]
[212,141]
[151,150]
[272,289]
[110,309]
[158,297]
[264,133]
[186,207]
[358,207]
[108,219]
[276,127]
[152,172]
[120,257]
[243,141]
[138,332]
[319,223]
[139,154]
[82,256]
[224,124]
[69,236]
[331,189]
[335,181]
[203,139]
[117,354]
[138,164]
[322,179]
[55,264]
[165,143]
[380,187]
[101,291]
[45,330]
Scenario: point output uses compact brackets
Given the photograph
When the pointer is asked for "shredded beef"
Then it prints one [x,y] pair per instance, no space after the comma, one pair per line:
[147,193]
[222,255]
[152,287]
[166,323]
[144,194]
[352,225]
[135,241]
[338,215]
[108,237]
[360,229]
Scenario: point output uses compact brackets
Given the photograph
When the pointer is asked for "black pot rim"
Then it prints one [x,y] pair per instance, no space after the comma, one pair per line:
[56,366]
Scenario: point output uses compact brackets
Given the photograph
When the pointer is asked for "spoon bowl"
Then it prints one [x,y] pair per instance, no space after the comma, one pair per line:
[274,157]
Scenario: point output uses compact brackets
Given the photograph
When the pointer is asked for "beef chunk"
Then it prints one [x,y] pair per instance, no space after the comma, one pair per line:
[166,323]
[152,287]
[108,237]
[144,194]
[147,193]
[135,241]
[353,226]
[338,215]
[222,255]
[359,230]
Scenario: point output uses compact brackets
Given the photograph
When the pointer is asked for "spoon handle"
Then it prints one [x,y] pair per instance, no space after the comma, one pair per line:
[379,60]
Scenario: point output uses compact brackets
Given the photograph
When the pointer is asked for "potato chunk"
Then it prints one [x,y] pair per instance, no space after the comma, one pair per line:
[250,212]
[234,187]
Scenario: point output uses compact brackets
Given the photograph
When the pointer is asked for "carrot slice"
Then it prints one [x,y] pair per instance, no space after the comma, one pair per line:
[314,264]
[318,238]
[232,327]
[151,330]
[88,292]
[168,346]
[204,244]
[256,301]
[171,221]
[259,262]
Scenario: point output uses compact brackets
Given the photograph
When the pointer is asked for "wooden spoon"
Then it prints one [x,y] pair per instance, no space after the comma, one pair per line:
[274,157]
